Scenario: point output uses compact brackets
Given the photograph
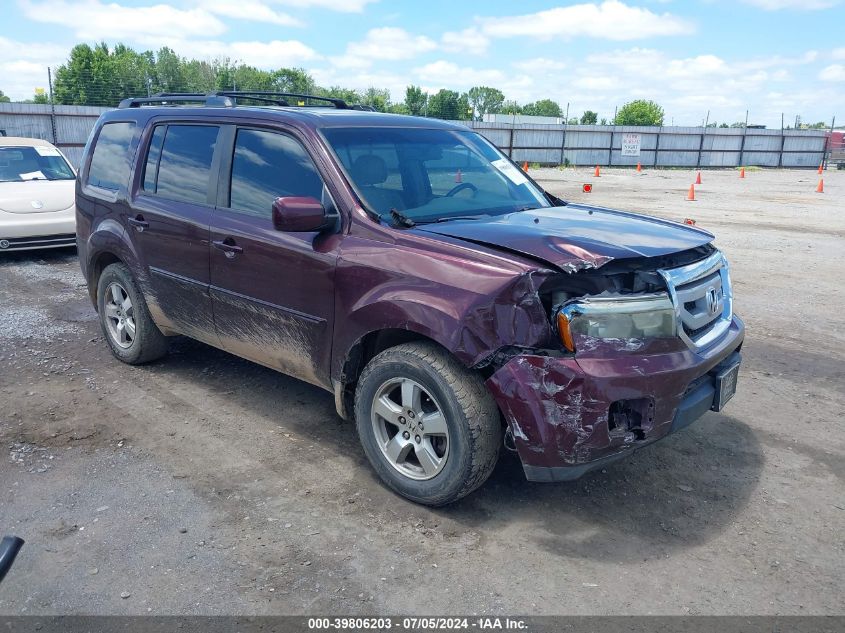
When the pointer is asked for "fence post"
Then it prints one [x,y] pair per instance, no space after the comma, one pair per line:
[700,147]
[510,142]
[742,143]
[782,142]
[563,144]
[610,149]
[52,106]
[657,146]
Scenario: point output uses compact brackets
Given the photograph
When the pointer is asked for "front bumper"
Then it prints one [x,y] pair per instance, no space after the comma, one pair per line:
[24,231]
[570,415]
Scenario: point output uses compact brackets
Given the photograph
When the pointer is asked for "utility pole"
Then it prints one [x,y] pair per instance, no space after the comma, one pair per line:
[52,105]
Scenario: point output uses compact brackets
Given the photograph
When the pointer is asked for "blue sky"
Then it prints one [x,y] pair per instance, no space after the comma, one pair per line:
[726,56]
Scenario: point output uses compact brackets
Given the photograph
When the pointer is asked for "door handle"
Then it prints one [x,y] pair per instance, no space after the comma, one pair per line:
[139,223]
[228,246]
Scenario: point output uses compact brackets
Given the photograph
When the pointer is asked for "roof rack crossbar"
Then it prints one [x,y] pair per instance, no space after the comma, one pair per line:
[227,98]
[259,95]
[137,102]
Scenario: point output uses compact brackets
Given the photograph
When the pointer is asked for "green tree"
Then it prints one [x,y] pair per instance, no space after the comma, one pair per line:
[543,107]
[337,92]
[589,118]
[295,80]
[168,72]
[639,112]
[483,99]
[4,98]
[510,107]
[448,104]
[379,99]
[415,100]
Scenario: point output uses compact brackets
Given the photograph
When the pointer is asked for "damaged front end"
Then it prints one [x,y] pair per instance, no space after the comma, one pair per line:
[637,349]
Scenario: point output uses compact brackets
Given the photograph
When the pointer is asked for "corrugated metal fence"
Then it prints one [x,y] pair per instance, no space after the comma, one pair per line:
[659,146]
[68,128]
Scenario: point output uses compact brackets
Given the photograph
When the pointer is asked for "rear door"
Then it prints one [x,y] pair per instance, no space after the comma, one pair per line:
[272,292]
[168,222]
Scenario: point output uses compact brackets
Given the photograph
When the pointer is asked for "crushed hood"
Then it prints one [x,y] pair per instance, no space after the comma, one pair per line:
[575,237]
[36,196]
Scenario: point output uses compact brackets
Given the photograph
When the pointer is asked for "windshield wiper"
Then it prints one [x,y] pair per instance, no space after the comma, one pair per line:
[402,220]
[449,218]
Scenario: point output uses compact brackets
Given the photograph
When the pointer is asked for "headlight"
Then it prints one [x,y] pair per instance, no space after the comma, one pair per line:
[646,316]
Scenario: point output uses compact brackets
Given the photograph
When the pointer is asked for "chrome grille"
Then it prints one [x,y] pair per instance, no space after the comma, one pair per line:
[701,293]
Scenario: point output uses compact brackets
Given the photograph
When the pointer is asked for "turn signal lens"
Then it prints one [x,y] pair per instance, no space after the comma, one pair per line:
[564,331]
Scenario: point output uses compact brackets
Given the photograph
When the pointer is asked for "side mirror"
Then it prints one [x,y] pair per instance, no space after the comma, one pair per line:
[299,215]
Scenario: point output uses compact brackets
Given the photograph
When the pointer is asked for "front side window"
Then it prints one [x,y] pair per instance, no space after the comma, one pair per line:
[184,165]
[110,162]
[266,166]
[20,163]
[431,174]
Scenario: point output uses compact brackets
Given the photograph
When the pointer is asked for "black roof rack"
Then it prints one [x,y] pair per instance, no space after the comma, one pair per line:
[229,98]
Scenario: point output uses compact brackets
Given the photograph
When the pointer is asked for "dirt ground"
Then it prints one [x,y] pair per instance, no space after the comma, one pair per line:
[204,484]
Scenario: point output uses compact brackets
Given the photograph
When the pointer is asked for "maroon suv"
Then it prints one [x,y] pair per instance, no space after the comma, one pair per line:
[410,268]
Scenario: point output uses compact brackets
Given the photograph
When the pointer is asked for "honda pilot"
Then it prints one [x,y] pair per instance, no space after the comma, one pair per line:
[410,268]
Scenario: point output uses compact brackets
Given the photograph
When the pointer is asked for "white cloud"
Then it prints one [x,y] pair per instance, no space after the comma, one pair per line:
[252,10]
[470,40]
[540,65]
[342,6]
[835,72]
[801,5]
[94,20]
[390,43]
[385,43]
[838,53]
[447,74]
[264,55]
[611,20]
[23,66]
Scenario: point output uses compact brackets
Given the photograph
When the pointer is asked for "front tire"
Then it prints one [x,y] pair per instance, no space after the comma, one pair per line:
[127,325]
[428,425]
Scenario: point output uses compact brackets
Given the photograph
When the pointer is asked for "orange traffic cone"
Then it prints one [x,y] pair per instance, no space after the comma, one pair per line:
[639,168]
[820,188]
[691,193]
[821,168]
[742,172]
[525,166]
[458,177]
[698,178]
[597,173]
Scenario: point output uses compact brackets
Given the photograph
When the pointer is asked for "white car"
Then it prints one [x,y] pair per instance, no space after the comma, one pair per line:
[37,207]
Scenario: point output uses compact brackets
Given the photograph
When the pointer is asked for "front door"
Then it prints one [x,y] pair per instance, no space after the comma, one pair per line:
[168,223]
[272,292]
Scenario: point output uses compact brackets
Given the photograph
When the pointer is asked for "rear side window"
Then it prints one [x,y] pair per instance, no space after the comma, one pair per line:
[110,163]
[266,166]
[184,163]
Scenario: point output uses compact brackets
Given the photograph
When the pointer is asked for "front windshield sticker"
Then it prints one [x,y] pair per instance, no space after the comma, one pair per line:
[510,172]
[47,151]
[33,175]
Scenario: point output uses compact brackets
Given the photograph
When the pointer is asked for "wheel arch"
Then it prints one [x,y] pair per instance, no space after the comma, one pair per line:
[364,349]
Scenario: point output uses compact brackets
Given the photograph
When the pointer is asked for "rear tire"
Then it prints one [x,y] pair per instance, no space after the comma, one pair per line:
[125,319]
[428,425]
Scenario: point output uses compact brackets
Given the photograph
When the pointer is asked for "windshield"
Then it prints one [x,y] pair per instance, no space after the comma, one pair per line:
[21,163]
[430,175]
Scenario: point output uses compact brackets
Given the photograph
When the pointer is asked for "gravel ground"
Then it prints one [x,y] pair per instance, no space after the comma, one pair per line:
[204,484]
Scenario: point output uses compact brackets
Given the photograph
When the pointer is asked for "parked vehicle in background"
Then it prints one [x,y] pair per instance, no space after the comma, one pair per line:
[36,196]
[9,548]
[410,268]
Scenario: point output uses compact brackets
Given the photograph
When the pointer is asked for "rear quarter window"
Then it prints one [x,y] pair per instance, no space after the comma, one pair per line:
[110,162]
